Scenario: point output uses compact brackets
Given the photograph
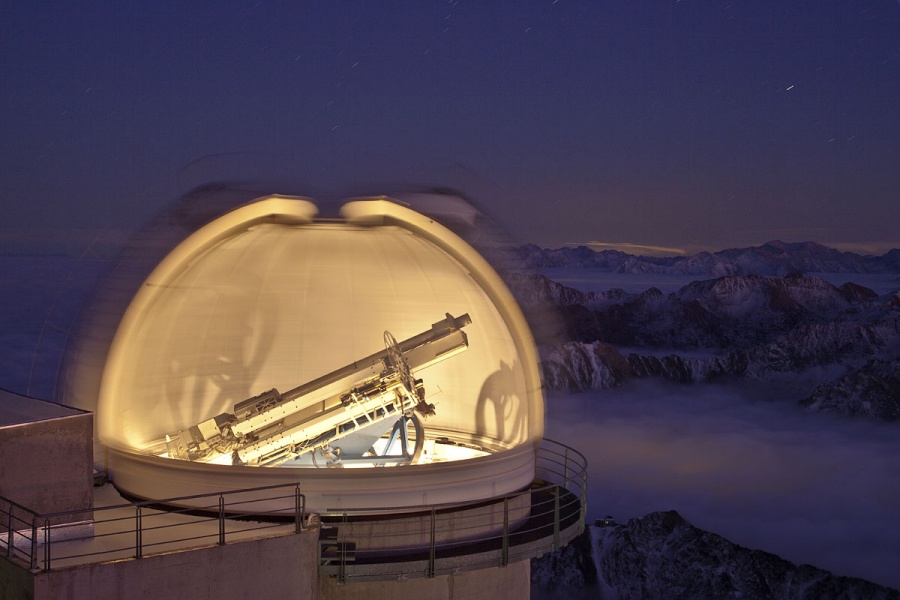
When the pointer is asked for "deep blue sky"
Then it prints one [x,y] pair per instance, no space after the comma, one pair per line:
[673,123]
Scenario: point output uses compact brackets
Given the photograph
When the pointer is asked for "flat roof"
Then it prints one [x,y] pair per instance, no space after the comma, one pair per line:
[18,410]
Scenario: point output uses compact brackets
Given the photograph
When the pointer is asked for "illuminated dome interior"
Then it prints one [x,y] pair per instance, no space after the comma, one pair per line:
[269,297]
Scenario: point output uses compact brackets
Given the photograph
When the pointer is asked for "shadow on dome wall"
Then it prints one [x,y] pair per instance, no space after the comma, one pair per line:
[495,404]
[242,343]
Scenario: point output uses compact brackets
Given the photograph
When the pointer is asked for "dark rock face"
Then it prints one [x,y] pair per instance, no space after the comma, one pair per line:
[717,314]
[567,573]
[871,391]
[593,365]
[661,555]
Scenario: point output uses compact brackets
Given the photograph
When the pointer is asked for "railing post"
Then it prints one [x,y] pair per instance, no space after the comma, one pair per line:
[298,514]
[221,520]
[566,462]
[46,544]
[504,557]
[9,534]
[555,518]
[138,533]
[431,552]
[342,550]
[34,542]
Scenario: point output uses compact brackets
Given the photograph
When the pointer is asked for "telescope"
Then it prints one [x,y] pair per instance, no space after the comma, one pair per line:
[337,418]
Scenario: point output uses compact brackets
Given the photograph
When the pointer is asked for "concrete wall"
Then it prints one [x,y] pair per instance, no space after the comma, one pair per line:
[496,583]
[60,452]
[16,582]
[456,525]
[273,568]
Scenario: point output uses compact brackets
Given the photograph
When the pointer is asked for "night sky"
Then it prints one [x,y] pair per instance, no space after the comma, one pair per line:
[678,123]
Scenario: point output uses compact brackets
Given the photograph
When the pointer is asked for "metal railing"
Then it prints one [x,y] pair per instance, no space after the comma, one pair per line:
[42,542]
[440,539]
[19,524]
[426,541]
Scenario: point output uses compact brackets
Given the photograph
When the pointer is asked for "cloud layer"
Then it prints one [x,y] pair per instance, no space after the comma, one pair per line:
[764,474]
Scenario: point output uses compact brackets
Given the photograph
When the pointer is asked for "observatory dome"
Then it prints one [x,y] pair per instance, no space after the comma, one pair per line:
[267,297]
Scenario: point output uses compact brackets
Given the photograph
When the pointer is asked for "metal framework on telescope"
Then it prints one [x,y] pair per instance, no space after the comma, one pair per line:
[350,404]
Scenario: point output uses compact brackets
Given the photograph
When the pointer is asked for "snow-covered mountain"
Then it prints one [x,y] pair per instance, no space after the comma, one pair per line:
[711,313]
[748,327]
[774,258]
[661,555]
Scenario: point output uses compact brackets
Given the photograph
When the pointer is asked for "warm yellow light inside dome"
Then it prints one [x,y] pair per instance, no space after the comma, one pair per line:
[267,297]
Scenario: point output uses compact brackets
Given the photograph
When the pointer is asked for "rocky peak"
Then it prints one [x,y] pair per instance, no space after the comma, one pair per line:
[661,555]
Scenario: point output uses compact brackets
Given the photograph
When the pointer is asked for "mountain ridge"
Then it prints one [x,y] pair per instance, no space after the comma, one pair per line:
[661,555]
[774,258]
[757,329]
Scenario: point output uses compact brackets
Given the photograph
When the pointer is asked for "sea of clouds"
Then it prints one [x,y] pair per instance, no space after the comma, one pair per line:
[763,473]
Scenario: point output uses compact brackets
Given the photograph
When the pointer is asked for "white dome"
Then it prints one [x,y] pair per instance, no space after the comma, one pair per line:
[268,297]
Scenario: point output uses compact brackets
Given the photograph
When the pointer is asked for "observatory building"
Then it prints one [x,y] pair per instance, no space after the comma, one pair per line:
[311,408]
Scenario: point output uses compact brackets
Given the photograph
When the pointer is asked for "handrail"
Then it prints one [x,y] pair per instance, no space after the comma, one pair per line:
[531,522]
[354,544]
[144,520]
[23,535]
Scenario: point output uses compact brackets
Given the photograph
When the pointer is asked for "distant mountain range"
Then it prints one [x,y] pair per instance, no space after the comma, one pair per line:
[774,258]
[751,327]
[754,316]
[661,555]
